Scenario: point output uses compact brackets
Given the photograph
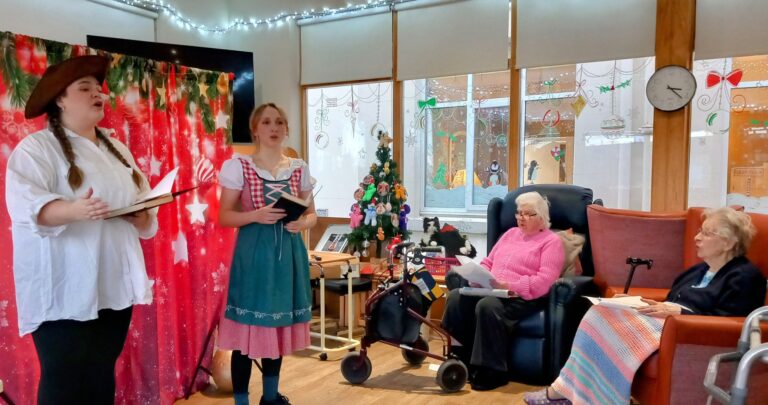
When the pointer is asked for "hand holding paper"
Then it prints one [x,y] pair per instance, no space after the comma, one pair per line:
[474,273]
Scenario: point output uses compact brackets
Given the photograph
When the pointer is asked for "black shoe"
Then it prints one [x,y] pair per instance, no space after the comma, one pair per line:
[279,400]
[487,379]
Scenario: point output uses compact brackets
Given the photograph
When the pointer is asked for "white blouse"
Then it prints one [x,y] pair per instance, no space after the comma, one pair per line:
[231,174]
[72,271]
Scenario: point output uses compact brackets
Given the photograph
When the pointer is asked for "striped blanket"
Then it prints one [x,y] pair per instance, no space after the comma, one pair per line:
[609,347]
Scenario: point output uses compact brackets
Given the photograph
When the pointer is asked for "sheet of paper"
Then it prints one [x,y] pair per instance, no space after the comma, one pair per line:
[473,272]
[163,187]
[623,302]
[484,292]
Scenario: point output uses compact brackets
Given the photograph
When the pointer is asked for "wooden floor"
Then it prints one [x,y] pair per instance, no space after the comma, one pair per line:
[307,380]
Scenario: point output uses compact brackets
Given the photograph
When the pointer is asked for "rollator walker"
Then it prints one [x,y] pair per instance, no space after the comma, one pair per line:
[749,350]
[394,314]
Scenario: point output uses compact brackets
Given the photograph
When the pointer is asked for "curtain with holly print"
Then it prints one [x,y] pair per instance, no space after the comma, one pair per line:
[168,116]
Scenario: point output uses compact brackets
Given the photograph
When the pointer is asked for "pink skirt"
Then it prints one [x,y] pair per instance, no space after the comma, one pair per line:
[259,342]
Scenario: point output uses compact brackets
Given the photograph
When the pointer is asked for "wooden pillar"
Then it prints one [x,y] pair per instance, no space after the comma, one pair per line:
[675,29]
[397,104]
[513,136]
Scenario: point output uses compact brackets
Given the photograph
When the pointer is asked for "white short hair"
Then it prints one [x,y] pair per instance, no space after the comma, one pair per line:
[538,202]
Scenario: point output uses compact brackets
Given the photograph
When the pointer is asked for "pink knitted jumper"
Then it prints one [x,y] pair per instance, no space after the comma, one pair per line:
[529,264]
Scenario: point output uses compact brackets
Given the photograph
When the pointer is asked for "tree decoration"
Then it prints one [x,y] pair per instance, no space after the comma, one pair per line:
[380,203]
[605,89]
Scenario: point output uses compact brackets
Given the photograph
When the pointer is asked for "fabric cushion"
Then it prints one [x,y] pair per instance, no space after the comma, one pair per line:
[572,244]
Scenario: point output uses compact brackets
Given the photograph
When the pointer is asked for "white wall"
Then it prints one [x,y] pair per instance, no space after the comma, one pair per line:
[71,20]
[276,50]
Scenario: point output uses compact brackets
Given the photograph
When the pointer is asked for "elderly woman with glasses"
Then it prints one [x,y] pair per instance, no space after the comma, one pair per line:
[724,284]
[525,261]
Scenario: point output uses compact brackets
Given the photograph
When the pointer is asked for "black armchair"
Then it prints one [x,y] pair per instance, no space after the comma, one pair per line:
[543,340]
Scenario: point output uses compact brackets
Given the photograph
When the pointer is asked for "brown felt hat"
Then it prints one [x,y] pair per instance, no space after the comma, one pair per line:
[57,77]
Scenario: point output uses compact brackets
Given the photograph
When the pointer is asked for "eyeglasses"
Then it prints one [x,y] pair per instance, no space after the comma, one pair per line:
[707,233]
[526,215]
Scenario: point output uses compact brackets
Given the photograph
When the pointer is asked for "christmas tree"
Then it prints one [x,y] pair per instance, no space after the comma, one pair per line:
[380,212]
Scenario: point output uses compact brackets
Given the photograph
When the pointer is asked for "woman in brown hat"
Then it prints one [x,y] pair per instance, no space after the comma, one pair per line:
[77,275]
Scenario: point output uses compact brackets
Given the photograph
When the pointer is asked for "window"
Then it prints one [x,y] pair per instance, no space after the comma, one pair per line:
[729,134]
[342,127]
[455,155]
[590,124]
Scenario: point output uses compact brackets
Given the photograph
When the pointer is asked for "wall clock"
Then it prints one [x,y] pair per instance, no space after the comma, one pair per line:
[670,88]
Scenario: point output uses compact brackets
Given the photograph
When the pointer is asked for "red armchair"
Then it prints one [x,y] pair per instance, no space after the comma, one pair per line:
[675,374]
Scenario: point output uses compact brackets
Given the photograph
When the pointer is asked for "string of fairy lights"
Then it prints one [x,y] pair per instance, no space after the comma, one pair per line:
[244,24]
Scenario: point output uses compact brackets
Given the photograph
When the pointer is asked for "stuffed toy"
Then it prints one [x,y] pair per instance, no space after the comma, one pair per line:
[355,216]
[404,211]
[369,192]
[430,226]
[400,192]
[370,215]
[454,242]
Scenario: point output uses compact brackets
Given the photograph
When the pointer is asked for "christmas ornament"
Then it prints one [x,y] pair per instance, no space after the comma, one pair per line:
[382,175]
[383,188]
[366,244]
[359,193]
[374,167]
[733,78]
[380,209]
[380,234]
[368,179]
[394,220]
[386,168]
[579,104]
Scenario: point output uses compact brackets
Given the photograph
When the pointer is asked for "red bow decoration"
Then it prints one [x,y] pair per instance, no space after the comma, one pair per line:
[714,78]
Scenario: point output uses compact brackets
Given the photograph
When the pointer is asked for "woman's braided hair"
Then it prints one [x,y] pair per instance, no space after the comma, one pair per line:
[75,174]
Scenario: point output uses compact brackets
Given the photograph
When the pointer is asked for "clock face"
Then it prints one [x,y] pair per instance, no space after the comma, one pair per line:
[670,88]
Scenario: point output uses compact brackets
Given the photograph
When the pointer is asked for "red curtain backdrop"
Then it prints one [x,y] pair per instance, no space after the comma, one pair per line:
[168,116]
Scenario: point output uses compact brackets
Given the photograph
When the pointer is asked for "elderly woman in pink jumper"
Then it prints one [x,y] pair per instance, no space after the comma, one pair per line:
[526,261]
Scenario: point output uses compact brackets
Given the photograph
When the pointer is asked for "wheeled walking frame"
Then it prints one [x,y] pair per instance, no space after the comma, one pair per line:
[394,315]
[749,350]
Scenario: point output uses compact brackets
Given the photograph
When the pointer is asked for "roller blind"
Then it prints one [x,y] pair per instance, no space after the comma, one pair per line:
[356,48]
[452,38]
[731,28]
[551,33]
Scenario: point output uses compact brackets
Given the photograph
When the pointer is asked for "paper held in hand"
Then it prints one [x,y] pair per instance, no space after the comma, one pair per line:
[620,302]
[159,195]
[473,272]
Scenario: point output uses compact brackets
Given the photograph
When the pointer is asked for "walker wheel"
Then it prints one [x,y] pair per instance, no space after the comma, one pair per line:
[323,356]
[356,368]
[452,375]
[413,357]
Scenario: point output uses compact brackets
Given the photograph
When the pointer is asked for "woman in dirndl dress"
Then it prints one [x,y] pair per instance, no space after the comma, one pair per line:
[269,300]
